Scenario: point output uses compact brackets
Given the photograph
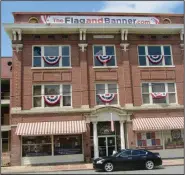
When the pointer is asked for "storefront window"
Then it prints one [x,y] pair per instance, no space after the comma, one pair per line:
[65,145]
[36,146]
[5,141]
[174,139]
[149,140]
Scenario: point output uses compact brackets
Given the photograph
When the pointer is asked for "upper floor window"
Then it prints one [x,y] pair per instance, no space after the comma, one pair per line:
[155,55]
[159,93]
[52,95]
[51,56]
[106,94]
[104,55]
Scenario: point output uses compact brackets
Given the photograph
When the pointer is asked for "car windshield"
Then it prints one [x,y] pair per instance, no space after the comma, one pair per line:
[115,154]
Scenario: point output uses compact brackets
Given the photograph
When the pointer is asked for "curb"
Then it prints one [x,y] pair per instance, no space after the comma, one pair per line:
[70,170]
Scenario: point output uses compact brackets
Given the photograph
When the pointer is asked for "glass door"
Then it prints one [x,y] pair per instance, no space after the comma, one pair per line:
[111,145]
[102,146]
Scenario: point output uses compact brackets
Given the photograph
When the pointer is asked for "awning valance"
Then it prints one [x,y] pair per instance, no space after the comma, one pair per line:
[152,124]
[51,128]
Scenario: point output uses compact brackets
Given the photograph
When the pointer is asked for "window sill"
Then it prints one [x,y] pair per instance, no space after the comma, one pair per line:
[101,106]
[160,105]
[37,68]
[155,66]
[105,67]
[50,108]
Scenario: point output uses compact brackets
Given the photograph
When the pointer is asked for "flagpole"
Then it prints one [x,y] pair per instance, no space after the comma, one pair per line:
[112,123]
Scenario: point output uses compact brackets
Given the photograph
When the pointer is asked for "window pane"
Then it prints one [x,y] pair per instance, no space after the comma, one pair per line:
[125,153]
[5,145]
[51,65]
[115,100]
[135,153]
[167,50]
[109,50]
[154,50]
[142,60]
[168,60]
[98,50]
[36,90]
[99,101]
[65,50]
[153,64]
[146,99]
[65,61]
[145,88]
[37,62]
[52,89]
[67,90]
[112,88]
[97,62]
[37,51]
[36,139]
[172,98]
[51,51]
[100,88]
[171,87]
[158,87]
[4,134]
[66,100]
[160,100]
[65,145]
[148,135]
[141,50]
[112,62]
[37,101]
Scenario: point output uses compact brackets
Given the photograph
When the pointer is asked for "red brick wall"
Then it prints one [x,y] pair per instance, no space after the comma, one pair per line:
[5,69]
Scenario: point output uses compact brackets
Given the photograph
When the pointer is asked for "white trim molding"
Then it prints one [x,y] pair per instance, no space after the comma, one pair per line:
[82,47]
[124,34]
[82,34]
[182,34]
[124,46]
[17,32]
[17,47]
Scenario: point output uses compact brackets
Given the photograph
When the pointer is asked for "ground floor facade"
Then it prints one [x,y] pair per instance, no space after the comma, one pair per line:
[81,137]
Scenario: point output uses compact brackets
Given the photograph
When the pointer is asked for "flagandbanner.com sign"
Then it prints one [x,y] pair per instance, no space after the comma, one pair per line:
[98,20]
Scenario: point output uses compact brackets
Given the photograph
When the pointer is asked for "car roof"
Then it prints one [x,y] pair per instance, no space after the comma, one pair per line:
[135,150]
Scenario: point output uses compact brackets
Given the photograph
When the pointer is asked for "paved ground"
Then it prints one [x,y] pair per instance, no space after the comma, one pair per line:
[160,170]
[69,167]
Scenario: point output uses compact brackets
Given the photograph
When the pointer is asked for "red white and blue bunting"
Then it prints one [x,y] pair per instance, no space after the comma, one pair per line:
[104,58]
[51,59]
[155,59]
[52,99]
[107,97]
[158,95]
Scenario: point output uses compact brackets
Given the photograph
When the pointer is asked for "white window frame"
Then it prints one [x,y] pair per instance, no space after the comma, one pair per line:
[104,51]
[42,94]
[166,90]
[106,91]
[162,52]
[42,54]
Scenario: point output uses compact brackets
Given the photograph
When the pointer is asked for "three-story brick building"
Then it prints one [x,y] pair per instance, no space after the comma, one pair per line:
[85,84]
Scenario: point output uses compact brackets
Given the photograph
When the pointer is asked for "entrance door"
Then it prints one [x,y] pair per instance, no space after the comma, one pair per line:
[106,145]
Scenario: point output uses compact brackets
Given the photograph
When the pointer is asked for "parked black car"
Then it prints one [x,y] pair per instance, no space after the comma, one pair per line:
[128,158]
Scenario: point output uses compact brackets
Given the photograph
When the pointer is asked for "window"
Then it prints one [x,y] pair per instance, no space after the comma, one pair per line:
[36,146]
[135,153]
[155,56]
[52,95]
[125,153]
[51,56]
[149,139]
[106,94]
[65,145]
[104,56]
[5,147]
[159,93]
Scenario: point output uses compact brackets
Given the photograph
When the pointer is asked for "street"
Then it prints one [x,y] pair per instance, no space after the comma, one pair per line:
[159,170]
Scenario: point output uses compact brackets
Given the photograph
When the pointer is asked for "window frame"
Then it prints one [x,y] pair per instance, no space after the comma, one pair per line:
[166,90]
[60,54]
[162,51]
[42,94]
[104,50]
[106,91]
[7,139]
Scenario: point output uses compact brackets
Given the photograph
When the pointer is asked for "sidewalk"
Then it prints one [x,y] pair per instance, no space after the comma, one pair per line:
[71,167]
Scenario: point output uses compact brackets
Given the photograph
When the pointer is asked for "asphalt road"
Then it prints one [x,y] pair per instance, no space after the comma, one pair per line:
[159,170]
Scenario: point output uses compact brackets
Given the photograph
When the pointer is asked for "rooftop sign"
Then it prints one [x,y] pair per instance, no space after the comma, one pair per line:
[98,20]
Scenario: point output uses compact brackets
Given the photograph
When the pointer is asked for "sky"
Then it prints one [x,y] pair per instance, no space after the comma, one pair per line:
[81,6]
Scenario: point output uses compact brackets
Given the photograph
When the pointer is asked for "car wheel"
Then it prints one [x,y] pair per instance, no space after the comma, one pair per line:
[149,165]
[108,167]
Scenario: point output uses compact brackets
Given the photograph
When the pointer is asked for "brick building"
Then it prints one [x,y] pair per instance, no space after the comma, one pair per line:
[85,84]
[6,63]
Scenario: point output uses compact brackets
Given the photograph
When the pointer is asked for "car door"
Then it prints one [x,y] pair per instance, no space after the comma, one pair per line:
[138,158]
[123,160]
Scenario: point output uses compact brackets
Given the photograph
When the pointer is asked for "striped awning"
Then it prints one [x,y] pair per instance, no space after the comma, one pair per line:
[51,128]
[164,123]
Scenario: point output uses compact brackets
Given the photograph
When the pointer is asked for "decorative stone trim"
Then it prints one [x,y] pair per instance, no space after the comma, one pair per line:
[17,34]
[124,34]
[82,47]
[82,34]
[124,46]
[17,47]
[182,34]
[182,46]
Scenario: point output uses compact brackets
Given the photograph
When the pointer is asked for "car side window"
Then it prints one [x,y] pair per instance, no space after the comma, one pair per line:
[143,152]
[135,153]
[125,153]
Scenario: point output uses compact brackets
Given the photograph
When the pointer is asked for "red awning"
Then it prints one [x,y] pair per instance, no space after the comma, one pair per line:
[164,123]
[51,128]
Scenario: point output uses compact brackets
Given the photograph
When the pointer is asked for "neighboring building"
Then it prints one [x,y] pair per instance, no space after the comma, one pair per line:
[84,85]
[6,75]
